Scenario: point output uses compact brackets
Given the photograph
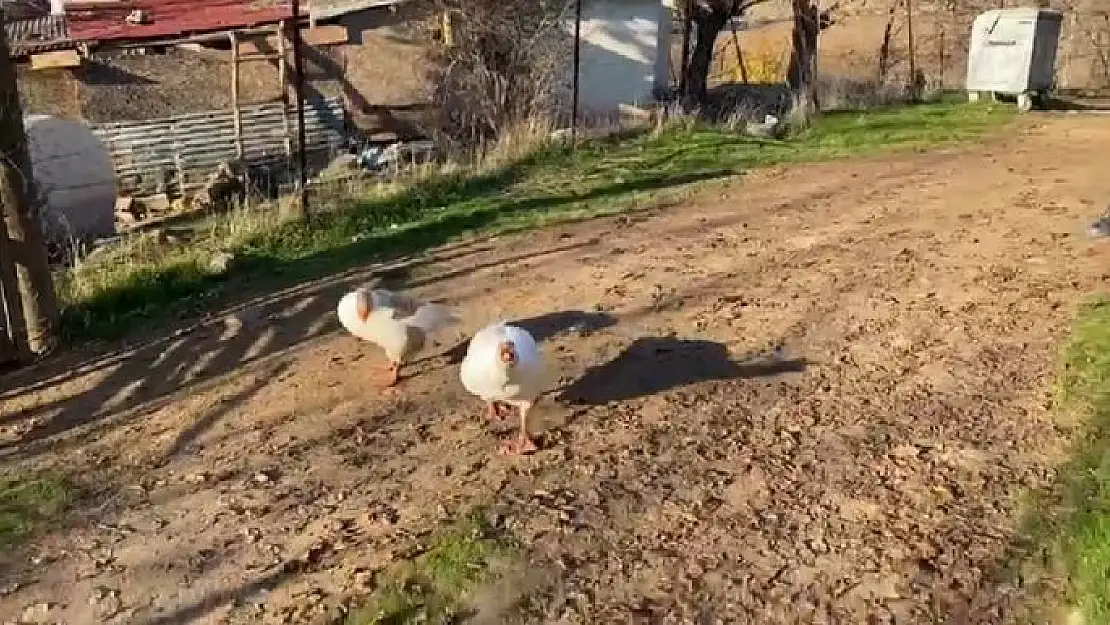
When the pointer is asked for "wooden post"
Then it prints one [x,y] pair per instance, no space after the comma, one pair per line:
[910,50]
[283,80]
[576,79]
[941,29]
[34,325]
[448,26]
[236,113]
[298,88]
[739,52]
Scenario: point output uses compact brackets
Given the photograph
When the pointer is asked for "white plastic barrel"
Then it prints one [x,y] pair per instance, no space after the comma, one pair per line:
[74,174]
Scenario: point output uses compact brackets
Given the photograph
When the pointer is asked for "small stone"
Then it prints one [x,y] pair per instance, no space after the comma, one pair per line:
[37,613]
[220,263]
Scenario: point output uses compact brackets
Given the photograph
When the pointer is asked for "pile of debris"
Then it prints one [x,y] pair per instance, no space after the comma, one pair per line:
[377,159]
[223,189]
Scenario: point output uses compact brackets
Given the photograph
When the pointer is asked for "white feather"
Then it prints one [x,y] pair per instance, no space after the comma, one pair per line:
[384,326]
[484,374]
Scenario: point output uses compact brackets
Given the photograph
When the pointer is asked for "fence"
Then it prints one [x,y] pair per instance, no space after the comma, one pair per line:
[176,154]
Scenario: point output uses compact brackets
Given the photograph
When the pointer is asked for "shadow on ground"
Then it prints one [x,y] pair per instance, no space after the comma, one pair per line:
[654,365]
[128,383]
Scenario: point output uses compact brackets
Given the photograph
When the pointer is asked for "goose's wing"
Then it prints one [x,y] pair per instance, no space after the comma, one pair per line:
[402,305]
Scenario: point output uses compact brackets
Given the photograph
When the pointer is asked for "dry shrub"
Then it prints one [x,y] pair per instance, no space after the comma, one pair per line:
[518,140]
[766,68]
[500,63]
[760,67]
[839,93]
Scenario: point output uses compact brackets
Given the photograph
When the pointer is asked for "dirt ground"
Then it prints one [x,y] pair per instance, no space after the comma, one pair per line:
[810,396]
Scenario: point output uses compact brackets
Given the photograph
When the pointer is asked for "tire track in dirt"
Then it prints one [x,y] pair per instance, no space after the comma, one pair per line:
[925,295]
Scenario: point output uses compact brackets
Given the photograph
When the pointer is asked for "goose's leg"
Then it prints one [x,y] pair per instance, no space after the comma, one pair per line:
[493,410]
[523,443]
[497,410]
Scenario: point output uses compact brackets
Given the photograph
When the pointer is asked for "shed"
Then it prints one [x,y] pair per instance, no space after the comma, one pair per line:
[625,54]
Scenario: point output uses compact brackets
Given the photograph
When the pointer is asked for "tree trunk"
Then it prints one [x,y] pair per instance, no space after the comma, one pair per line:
[24,229]
[888,36]
[708,26]
[801,74]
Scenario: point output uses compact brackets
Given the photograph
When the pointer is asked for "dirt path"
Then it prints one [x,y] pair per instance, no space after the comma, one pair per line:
[864,470]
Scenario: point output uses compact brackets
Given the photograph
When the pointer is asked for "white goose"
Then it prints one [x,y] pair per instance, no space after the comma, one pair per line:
[503,365]
[397,323]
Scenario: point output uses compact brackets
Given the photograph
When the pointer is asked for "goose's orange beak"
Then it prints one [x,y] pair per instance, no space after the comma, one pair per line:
[508,353]
[363,304]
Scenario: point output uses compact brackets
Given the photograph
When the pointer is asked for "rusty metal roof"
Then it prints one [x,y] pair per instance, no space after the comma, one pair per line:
[37,34]
[101,22]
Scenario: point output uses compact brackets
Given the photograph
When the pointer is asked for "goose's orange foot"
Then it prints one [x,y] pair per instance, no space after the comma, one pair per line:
[522,445]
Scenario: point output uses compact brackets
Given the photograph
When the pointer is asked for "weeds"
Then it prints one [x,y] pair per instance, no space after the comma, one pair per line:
[1071,527]
[28,503]
[434,586]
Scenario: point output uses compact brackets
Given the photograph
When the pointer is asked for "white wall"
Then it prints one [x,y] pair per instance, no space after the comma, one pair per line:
[625,53]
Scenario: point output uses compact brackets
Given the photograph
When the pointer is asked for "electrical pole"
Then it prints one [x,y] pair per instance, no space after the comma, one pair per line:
[24,243]
[298,89]
[577,62]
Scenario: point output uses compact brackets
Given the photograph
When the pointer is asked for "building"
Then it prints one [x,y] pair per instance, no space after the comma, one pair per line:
[625,54]
[175,87]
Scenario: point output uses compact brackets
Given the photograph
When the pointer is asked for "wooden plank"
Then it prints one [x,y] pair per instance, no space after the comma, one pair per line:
[243,58]
[330,35]
[55,59]
[237,114]
[92,4]
[283,80]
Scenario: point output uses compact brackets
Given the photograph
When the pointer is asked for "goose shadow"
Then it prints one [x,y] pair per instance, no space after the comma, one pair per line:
[652,365]
[543,328]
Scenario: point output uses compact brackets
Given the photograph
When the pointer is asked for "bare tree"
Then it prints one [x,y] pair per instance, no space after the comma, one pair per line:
[24,229]
[801,74]
[501,61]
[704,21]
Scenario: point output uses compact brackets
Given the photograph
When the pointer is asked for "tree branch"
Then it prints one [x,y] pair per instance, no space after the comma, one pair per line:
[743,7]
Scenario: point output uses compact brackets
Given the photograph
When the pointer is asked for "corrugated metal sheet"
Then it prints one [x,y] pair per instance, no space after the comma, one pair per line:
[171,18]
[183,150]
[37,34]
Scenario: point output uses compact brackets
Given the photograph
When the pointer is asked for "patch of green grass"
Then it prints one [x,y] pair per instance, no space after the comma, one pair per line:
[1070,528]
[433,587]
[106,297]
[26,504]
